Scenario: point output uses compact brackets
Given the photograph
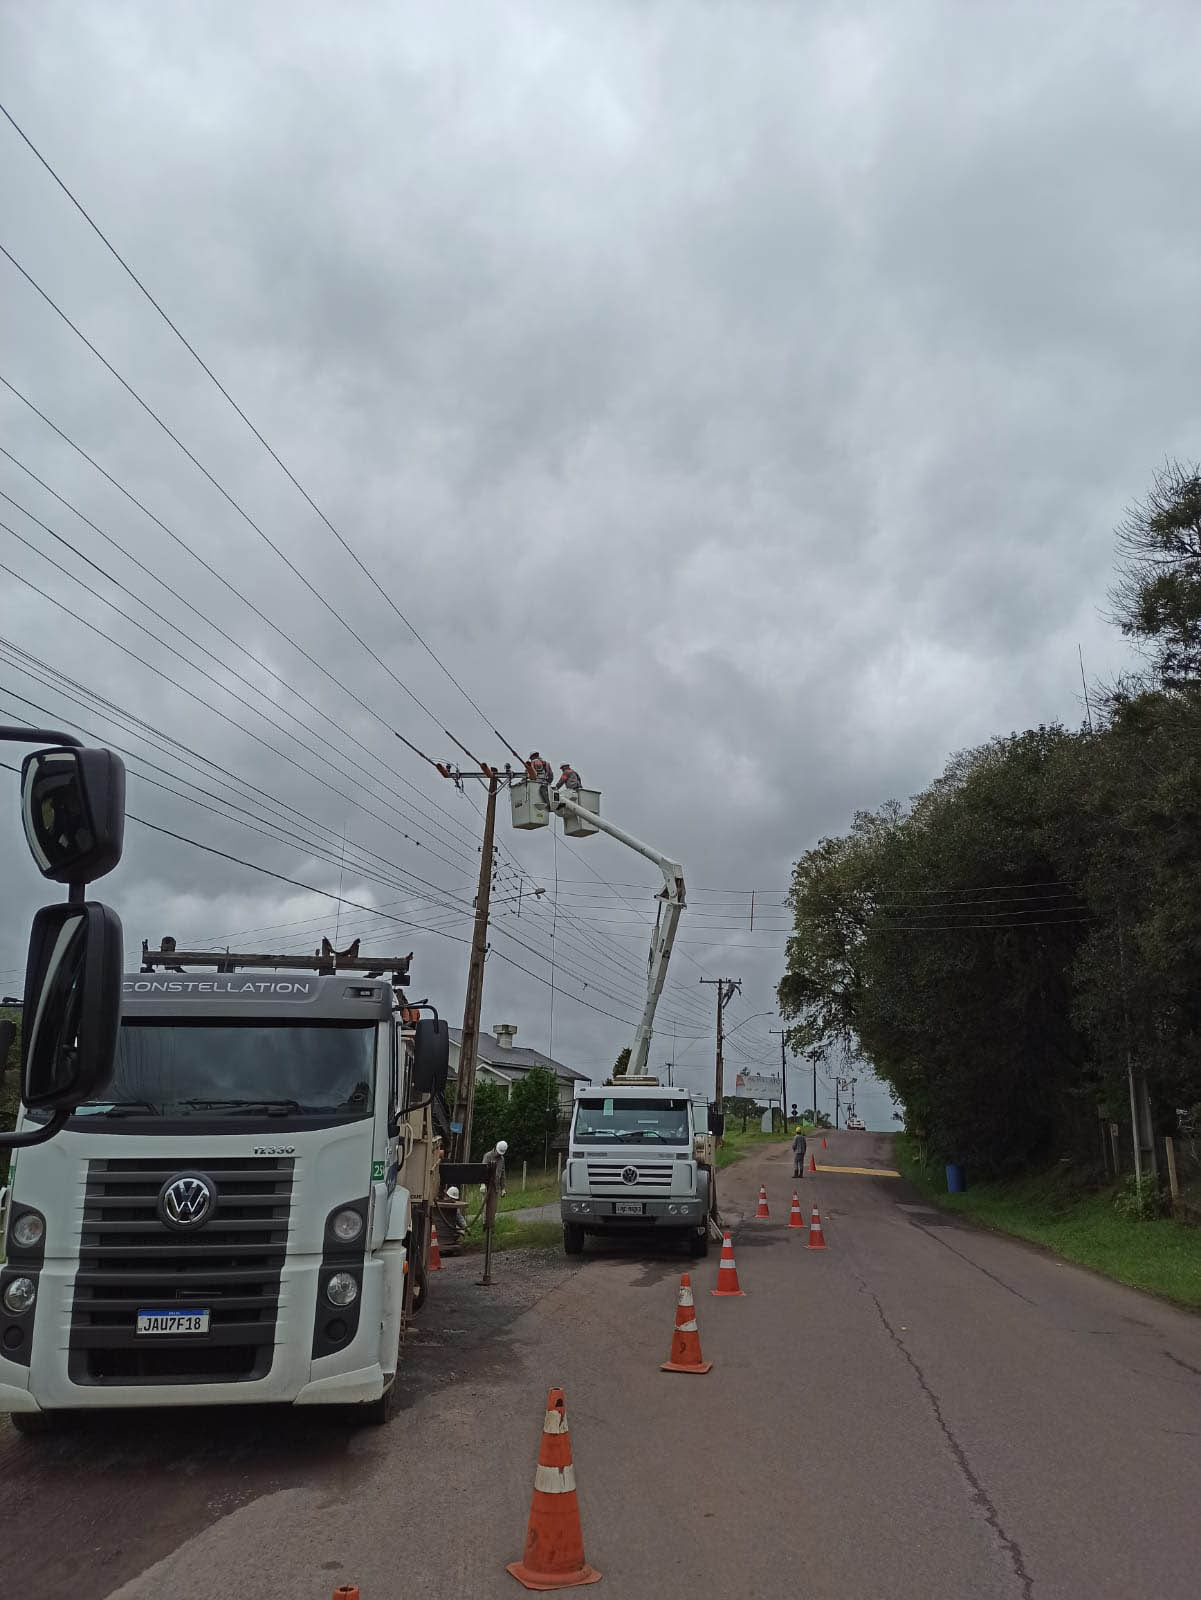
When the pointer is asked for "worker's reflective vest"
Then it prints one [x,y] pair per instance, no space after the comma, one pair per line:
[569,779]
[542,771]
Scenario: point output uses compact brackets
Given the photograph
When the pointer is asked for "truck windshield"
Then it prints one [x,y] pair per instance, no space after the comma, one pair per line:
[604,1121]
[194,1069]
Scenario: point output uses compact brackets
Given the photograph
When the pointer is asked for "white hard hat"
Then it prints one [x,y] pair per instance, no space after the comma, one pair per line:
[452,1193]
[501,1146]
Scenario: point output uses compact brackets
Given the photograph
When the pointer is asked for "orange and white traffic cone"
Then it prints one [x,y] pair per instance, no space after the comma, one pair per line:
[795,1217]
[686,1340]
[727,1272]
[554,1540]
[817,1239]
[435,1253]
[825,1146]
[761,1211]
[347,1591]
[812,1163]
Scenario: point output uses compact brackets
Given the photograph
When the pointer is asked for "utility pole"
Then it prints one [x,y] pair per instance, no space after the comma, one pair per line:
[837,1087]
[726,989]
[473,1004]
[783,1032]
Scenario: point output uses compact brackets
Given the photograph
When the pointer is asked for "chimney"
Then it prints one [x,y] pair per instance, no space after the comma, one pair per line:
[504,1034]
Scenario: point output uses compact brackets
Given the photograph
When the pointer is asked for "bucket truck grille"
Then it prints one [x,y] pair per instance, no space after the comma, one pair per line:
[130,1259]
[649,1174]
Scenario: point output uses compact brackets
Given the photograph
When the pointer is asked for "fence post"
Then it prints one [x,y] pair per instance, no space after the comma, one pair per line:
[1169,1147]
[558,1165]
[523,1166]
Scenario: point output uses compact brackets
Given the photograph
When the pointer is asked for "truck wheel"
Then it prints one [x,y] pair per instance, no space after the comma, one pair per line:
[573,1239]
[378,1413]
[36,1424]
[698,1243]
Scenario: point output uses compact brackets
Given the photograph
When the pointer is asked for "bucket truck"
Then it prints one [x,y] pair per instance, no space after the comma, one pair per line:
[641,1156]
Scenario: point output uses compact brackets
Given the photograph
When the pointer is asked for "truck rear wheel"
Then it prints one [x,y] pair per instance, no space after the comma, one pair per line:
[36,1424]
[573,1239]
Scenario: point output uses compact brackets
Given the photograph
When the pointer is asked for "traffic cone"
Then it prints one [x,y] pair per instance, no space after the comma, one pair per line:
[795,1217]
[554,1540]
[825,1146]
[817,1239]
[761,1211]
[727,1272]
[686,1340]
[812,1163]
[347,1591]
[435,1253]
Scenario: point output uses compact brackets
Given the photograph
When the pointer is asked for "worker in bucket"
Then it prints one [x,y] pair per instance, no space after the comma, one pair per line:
[568,778]
[799,1146]
[542,774]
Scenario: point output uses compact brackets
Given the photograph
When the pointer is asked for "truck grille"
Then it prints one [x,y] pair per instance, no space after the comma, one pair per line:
[651,1174]
[129,1260]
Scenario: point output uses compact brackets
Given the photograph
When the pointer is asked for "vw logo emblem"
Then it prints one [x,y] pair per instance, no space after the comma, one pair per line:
[629,1174]
[187,1201]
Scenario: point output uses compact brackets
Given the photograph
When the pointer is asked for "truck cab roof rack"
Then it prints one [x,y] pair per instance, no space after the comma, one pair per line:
[326,961]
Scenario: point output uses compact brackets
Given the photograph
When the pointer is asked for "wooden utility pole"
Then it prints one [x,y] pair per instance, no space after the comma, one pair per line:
[470,1037]
[726,988]
[783,1032]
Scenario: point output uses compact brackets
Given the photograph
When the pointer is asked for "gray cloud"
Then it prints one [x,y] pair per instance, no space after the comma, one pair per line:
[738,397]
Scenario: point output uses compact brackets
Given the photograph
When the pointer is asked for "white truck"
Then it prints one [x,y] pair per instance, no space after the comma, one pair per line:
[640,1159]
[640,1156]
[243,1214]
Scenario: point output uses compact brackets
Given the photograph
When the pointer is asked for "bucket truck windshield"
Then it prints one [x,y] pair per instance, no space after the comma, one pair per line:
[611,1121]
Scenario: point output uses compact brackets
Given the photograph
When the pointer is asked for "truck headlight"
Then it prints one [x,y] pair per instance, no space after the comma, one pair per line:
[346,1226]
[19,1295]
[29,1229]
[341,1290]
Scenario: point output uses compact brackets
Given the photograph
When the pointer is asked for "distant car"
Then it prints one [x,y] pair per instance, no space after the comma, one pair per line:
[855,1125]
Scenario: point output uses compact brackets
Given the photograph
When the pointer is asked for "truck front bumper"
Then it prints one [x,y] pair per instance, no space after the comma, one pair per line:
[599,1211]
[295,1375]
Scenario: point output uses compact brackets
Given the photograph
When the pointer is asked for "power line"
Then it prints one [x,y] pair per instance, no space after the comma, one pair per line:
[319,754]
[262,665]
[195,354]
[200,700]
[242,512]
[182,543]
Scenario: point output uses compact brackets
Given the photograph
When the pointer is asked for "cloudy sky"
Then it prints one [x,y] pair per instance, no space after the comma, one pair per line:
[737,400]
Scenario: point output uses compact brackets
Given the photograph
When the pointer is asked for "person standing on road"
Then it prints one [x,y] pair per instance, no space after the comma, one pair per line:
[799,1146]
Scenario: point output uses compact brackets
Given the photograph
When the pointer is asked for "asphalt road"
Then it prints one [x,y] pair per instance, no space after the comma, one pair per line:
[920,1411]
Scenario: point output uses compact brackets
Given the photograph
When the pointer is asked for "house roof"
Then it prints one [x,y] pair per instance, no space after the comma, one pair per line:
[511,1058]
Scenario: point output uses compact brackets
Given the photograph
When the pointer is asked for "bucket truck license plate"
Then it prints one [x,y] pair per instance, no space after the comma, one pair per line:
[627,1208]
[173,1322]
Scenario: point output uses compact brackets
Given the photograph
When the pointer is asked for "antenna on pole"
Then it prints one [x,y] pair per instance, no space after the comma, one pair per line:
[1084,682]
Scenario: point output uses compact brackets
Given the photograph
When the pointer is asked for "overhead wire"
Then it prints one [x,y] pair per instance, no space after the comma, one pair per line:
[195,354]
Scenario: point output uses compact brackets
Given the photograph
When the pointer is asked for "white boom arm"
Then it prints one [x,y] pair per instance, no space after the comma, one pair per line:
[667,920]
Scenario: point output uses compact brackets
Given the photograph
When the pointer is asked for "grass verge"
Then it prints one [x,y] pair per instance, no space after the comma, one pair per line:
[540,1190]
[513,1234]
[1050,1208]
[737,1144]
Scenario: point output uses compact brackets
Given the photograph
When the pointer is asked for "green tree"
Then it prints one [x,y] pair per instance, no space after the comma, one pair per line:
[533,1115]
[490,1116]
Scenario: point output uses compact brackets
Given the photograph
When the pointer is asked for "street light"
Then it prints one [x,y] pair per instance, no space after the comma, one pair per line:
[744,1022]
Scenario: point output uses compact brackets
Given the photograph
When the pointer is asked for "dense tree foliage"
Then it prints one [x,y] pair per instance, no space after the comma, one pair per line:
[997,947]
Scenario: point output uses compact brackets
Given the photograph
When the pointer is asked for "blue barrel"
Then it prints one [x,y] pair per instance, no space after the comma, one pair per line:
[955,1183]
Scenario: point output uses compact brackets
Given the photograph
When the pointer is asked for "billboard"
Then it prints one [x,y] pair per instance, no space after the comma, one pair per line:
[758,1086]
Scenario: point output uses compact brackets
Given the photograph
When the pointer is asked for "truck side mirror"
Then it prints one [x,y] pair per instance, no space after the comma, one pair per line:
[717,1121]
[73,811]
[431,1056]
[72,1005]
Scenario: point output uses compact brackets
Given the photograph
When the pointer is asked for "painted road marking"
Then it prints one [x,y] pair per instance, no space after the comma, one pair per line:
[863,1172]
